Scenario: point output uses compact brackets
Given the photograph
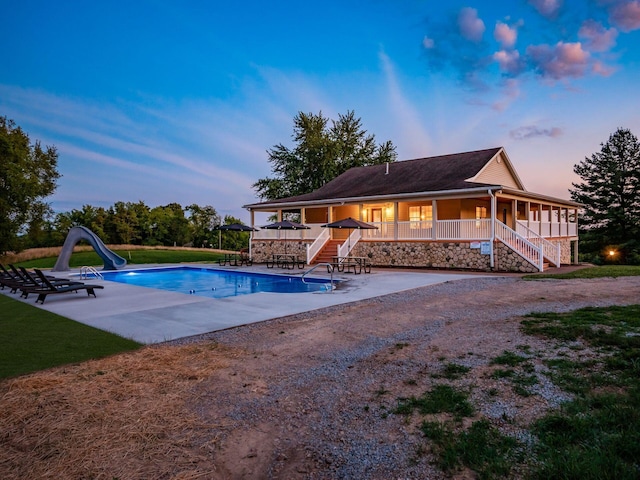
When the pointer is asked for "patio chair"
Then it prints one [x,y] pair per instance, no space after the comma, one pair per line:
[245,259]
[50,288]
[31,279]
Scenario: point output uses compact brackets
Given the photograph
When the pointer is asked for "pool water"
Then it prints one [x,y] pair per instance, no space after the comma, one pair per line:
[208,282]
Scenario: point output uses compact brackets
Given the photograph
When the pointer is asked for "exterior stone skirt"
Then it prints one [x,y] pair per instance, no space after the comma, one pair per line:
[410,254]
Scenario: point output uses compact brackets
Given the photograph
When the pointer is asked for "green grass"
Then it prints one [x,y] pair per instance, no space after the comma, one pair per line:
[442,398]
[596,436]
[452,371]
[33,339]
[481,448]
[134,257]
[591,272]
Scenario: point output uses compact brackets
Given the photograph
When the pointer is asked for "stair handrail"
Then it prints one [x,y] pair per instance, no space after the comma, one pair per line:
[550,250]
[329,269]
[317,245]
[347,246]
[526,249]
[86,270]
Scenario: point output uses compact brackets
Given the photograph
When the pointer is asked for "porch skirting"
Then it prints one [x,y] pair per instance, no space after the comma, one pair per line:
[413,254]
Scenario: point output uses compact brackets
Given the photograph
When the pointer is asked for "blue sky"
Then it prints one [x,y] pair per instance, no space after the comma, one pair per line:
[178,101]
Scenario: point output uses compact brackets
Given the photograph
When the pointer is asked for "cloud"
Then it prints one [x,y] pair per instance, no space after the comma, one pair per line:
[470,26]
[428,43]
[546,8]
[532,131]
[597,38]
[505,35]
[559,61]
[509,61]
[626,15]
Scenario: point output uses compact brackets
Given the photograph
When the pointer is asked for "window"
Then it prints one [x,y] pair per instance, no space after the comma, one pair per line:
[481,212]
[421,213]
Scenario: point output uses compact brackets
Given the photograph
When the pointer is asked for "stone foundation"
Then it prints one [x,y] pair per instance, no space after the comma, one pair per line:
[441,255]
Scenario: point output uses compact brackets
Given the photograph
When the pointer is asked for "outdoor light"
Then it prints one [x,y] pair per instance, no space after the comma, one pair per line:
[612,253]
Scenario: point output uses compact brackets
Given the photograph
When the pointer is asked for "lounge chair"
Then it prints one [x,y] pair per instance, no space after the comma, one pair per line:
[13,279]
[50,288]
[31,280]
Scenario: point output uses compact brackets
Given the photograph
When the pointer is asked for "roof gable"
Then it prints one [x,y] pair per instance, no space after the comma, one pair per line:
[499,171]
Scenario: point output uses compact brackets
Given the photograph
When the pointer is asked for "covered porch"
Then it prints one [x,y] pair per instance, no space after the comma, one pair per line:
[523,223]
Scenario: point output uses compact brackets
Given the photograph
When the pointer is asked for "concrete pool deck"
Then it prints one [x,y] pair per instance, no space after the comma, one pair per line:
[148,315]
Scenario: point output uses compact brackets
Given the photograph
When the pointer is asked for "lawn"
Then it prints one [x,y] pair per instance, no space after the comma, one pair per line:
[33,339]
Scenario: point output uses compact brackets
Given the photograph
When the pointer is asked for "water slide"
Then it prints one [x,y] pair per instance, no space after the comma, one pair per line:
[112,261]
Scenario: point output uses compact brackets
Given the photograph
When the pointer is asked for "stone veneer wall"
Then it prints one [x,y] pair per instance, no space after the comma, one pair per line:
[261,250]
[451,255]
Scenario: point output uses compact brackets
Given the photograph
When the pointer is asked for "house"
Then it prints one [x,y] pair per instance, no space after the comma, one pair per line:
[460,211]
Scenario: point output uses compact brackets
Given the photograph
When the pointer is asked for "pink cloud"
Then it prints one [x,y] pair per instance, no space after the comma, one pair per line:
[597,37]
[559,61]
[626,15]
[505,35]
[508,60]
[471,27]
[546,8]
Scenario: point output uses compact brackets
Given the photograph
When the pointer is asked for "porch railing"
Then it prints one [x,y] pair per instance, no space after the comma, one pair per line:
[318,243]
[524,247]
[550,251]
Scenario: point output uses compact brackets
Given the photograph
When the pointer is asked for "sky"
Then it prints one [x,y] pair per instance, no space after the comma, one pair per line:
[179,101]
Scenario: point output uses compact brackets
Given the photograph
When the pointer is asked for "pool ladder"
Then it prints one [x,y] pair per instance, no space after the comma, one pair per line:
[85,271]
[329,268]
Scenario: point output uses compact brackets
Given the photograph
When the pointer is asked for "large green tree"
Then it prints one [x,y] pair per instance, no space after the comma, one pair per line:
[28,174]
[320,154]
[610,193]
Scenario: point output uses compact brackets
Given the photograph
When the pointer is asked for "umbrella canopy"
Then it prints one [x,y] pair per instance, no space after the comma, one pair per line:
[351,224]
[237,227]
[286,225]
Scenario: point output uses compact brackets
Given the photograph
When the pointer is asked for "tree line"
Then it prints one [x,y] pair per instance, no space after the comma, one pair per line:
[138,224]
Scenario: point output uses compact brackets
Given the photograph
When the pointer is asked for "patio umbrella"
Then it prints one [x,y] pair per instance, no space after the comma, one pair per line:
[238,227]
[351,224]
[286,225]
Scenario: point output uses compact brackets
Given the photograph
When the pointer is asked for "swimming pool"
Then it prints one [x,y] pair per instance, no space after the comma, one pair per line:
[212,283]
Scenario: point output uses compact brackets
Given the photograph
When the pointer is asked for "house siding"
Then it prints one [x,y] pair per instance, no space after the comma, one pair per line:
[497,173]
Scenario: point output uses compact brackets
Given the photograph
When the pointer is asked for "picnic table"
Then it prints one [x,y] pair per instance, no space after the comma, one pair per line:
[285,260]
[235,259]
[346,264]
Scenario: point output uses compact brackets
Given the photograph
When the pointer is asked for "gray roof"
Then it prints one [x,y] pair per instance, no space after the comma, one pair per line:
[431,174]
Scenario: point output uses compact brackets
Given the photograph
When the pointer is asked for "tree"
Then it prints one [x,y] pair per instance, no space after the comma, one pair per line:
[610,193]
[28,174]
[320,155]
[203,221]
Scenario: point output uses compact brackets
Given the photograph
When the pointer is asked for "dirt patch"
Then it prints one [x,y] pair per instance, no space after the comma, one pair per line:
[307,396]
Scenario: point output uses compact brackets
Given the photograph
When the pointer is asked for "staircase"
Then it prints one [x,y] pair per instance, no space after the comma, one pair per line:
[328,251]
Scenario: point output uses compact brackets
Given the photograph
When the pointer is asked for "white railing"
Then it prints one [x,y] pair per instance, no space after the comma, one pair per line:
[415,230]
[521,245]
[463,229]
[551,251]
[318,243]
[349,243]
[86,271]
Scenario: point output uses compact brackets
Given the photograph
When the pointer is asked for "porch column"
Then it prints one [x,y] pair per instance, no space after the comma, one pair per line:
[514,215]
[528,210]
[395,221]
[576,261]
[303,220]
[540,219]
[434,220]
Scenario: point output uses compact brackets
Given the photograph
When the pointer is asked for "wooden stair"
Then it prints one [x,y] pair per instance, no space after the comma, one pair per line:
[328,251]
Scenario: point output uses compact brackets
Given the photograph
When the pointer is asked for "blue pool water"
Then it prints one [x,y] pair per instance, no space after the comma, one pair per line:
[208,282]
